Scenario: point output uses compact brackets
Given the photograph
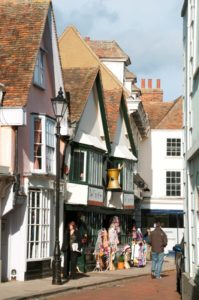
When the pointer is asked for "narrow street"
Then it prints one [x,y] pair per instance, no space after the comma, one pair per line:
[140,288]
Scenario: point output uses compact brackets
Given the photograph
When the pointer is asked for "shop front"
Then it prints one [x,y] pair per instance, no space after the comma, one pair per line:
[90,220]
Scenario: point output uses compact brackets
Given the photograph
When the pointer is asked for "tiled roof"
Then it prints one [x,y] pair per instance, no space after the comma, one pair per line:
[129,75]
[79,82]
[112,99]
[156,111]
[76,52]
[108,49]
[21,28]
[174,117]
[164,115]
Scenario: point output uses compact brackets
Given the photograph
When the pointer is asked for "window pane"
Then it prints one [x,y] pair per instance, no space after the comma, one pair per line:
[37,143]
[173,183]
[38,77]
[173,147]
[38,226]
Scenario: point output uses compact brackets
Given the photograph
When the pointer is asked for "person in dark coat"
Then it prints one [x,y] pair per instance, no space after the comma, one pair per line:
[158,241]
[72,249]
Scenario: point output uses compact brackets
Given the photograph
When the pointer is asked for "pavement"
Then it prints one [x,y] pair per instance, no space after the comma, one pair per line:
[43,288]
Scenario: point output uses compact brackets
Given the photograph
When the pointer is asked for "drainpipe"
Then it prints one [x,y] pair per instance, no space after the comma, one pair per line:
[16,186]
[187,143]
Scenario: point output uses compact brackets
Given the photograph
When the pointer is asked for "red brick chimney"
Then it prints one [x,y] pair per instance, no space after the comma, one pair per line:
[142,83]
[150,93]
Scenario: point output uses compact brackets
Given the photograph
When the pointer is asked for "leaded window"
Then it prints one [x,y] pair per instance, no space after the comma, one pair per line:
[173,147]
[173,183]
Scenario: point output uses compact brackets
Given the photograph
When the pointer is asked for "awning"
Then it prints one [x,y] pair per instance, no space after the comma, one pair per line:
[122,151]
[87,139]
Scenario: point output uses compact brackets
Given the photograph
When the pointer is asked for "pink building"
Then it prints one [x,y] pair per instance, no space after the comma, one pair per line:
[30,75]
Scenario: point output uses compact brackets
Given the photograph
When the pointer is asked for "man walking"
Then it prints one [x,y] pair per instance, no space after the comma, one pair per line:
[158,241]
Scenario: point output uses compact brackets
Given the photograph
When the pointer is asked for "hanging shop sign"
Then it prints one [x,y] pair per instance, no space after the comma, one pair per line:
[95,196]
[128,201]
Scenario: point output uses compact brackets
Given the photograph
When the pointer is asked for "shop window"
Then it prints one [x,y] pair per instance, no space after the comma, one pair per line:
[173,147]
[173,183]
[38,242]
[38,78]
[43,145]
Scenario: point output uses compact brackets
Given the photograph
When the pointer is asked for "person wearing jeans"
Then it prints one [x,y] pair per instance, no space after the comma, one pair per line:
[158,241]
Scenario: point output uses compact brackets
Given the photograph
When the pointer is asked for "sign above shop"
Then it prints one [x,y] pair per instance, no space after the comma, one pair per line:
[95,196]
[128,200]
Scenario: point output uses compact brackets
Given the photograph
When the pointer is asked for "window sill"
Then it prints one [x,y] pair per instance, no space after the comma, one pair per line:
[42,88]
[38,259]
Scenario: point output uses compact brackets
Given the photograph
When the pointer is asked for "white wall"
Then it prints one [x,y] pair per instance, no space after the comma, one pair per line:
[154,162]
[117,68]
[128,85]
[77,193]
[91,121]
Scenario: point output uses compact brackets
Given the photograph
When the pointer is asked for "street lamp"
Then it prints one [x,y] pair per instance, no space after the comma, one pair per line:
[60,105]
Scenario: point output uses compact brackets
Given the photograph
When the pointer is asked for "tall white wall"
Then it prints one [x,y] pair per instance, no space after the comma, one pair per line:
[154,163]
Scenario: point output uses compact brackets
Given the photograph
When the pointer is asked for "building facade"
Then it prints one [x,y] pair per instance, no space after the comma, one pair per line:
[190,14]
[31,74]
[162,163]
[117,61]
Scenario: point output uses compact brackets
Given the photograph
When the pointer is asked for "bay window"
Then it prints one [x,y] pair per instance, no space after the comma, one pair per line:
[86,166]
[43,144]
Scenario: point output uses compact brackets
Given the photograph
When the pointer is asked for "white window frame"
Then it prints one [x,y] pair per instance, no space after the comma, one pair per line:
[174,184]
[44,120]
[39,224]
[39,72]
[175,148]
[83,179]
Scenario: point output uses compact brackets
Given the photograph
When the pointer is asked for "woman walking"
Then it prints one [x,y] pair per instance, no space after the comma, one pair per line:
[72,248]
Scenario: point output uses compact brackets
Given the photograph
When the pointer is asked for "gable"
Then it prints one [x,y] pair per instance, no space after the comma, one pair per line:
[90,128]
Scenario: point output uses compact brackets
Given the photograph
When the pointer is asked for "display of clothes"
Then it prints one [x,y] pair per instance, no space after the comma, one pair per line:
[107,248]
[113,233]
[138,253]
[102,250]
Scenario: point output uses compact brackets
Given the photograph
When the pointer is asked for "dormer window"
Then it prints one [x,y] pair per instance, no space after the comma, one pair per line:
[38,78]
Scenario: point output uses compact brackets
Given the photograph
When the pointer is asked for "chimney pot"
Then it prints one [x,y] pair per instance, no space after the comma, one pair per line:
[158,84]
[150,83]
[142,83]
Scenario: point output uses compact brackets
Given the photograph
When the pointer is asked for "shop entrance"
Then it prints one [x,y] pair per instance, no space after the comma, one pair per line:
[89,221]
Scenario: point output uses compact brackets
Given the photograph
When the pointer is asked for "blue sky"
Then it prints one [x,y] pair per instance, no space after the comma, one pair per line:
[150,31]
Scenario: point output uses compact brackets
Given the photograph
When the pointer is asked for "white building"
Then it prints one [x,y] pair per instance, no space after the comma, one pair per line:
[190,14]
[161,157]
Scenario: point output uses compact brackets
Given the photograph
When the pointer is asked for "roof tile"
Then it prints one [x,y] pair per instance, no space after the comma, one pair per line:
[21,27]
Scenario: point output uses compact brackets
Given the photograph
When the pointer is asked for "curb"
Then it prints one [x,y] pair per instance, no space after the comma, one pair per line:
[69,289]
